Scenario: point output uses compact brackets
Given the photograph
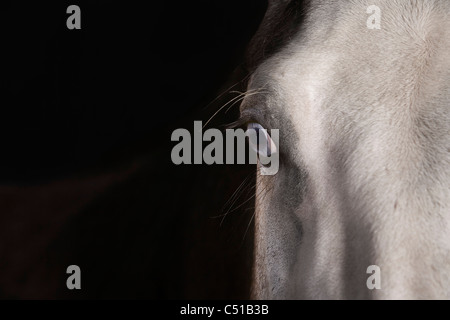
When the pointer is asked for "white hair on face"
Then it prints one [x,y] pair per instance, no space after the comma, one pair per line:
[370,110]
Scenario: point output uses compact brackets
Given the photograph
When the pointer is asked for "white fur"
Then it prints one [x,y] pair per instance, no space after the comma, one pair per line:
[371,113]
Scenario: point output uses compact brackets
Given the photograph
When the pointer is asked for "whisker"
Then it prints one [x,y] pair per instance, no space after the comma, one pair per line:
[246,201]
[237,190]
[226,91]
[265,191]
[246,95]
[235,195]
[231,211]
[248,226]
[220,109]
[233,102]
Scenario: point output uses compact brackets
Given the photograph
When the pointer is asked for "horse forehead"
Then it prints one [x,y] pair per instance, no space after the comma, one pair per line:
[359,99]
[370,112]
[352,64]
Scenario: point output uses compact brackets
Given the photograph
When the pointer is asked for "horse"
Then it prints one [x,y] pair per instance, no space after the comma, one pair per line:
[360,93]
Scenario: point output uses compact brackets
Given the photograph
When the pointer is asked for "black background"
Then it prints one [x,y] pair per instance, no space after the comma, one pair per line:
[86,177]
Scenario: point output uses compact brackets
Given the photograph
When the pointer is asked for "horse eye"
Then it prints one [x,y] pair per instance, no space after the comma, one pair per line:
[260,140]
